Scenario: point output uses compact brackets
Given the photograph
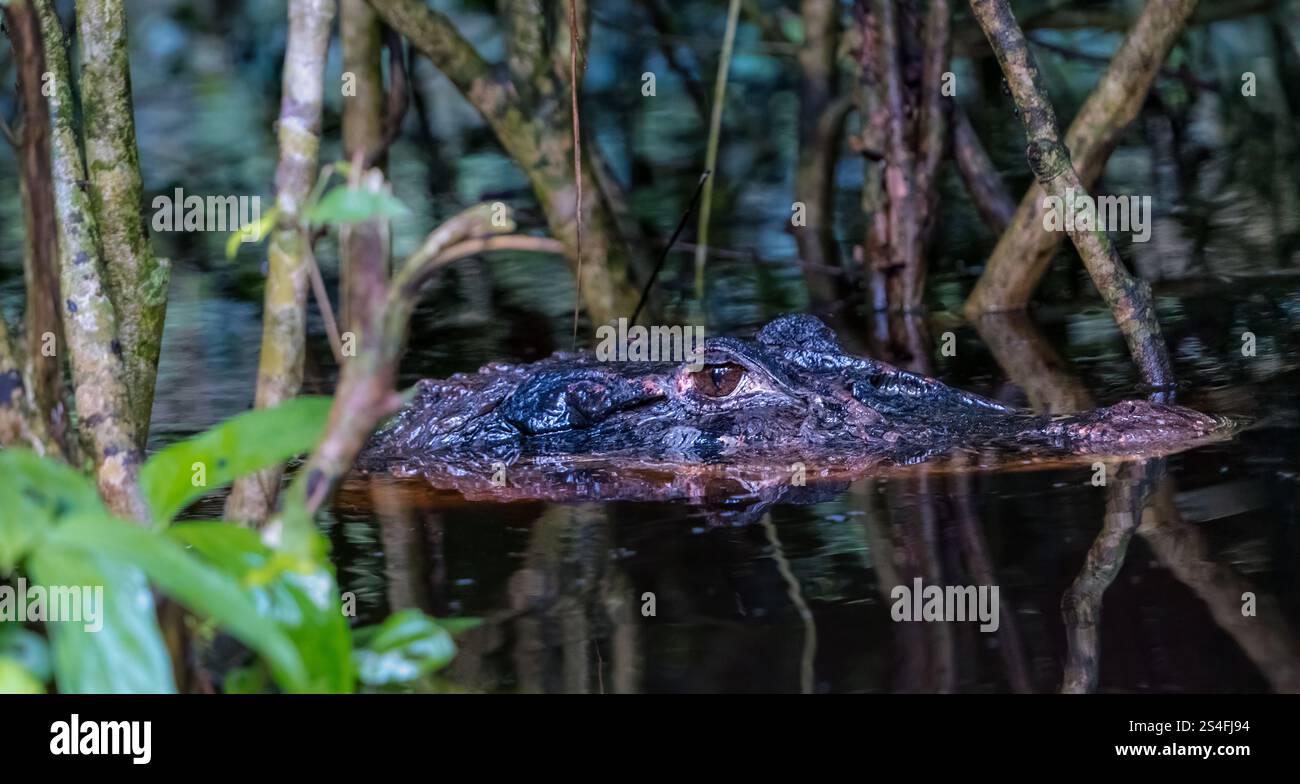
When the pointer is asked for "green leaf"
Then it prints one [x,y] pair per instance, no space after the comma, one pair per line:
[255,233]
[354,205]
[245,680]
[194,583]
[304,604]
[27,648]
[36,493]
[241,445]
[126,654]
[17,679]
[405,646]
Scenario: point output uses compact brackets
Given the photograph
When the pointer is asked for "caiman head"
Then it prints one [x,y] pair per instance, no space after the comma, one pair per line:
[789,394]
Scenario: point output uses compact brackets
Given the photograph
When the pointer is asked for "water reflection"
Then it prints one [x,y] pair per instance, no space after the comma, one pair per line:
[717,579]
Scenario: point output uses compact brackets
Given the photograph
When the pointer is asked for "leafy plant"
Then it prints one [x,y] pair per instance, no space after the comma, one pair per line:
[283,606]
[342,205]
[255,233]
[405,647]
[241,445]
[24,661]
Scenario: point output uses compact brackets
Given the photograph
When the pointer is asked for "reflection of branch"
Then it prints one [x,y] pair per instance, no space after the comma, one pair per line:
[1081,604]
[800,605]
[559,593]
[1182,548]
[975,548]
[1030,362]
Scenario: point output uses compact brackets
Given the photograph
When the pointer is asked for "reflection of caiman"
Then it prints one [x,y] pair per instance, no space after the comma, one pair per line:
[791,394]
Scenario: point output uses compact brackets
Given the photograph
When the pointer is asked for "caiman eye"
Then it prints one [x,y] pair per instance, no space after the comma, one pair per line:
[717,380]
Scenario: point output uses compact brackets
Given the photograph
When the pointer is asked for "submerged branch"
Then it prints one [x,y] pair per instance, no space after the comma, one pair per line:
[1129,298]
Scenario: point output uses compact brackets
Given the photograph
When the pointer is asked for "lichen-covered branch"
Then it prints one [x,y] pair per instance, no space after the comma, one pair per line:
[280,366]
[1025,249]
[1129,298]
[527,49]
[537,135]
[89,320]
[136,279]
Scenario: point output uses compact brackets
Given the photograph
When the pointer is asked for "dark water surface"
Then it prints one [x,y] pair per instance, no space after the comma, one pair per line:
[791,594]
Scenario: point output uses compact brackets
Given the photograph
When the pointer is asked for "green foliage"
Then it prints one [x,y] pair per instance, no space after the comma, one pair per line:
[126,655]
[24,660]
[203,587]
[37,492]
[16,679]
[252,233]
[27,648]
[304,603]
[406,646]
[240,445]
[282,603]
[343,205]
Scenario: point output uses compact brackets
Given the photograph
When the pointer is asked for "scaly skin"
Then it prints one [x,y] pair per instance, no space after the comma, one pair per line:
[791,394]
